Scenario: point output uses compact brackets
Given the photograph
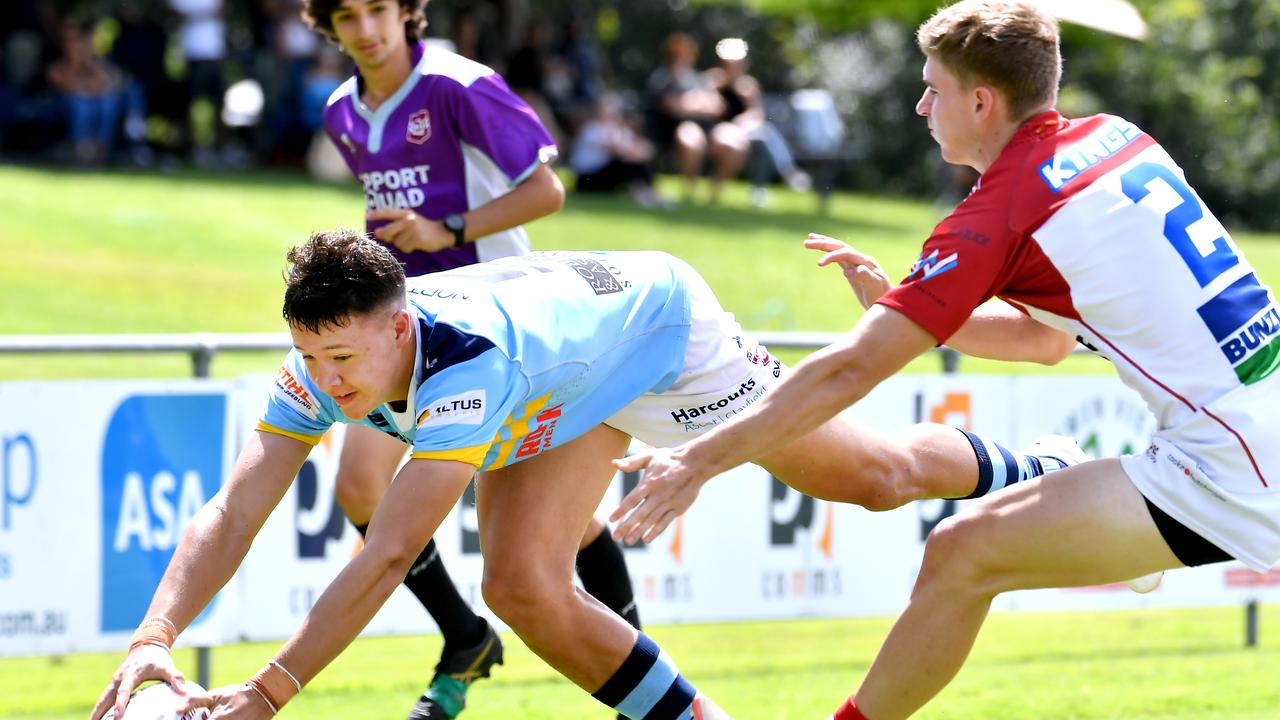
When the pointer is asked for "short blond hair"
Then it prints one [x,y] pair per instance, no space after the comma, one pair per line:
[1007,44]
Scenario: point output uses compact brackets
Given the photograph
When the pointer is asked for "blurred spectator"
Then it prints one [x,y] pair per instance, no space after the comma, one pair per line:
[579,55]
[539,78]
[608,154]
[329,69]
[294,47]
[31,114]
[202,34]
[684,106]
[92,91]
[139,52]
[744,124]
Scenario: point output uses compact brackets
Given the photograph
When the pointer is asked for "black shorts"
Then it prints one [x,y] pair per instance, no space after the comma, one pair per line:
[1191,549]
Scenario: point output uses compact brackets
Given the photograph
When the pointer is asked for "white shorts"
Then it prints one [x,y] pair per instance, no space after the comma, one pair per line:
[1219,473]
[724,372]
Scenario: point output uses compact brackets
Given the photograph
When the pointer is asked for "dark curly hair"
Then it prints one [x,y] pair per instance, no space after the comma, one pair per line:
[336,275]
[318,14]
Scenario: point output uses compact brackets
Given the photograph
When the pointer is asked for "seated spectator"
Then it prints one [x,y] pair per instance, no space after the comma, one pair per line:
[609,154]
[92,92]
[743,123]
[684,107]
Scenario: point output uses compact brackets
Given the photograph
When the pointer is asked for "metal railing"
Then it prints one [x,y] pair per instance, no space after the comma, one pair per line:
[204,347]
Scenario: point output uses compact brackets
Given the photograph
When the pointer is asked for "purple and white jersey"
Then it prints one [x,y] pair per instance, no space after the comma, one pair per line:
[452,138]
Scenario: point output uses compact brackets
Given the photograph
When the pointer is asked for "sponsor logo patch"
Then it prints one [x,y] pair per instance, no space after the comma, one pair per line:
[684,415]
[539,438]
[292,393]
[1246,323]
[602,281]
[419,129]
[463,409]
[1104,142]
[929,266]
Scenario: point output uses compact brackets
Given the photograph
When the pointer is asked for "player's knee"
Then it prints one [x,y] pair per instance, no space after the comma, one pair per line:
[358,493]
[956,556]
[520,597]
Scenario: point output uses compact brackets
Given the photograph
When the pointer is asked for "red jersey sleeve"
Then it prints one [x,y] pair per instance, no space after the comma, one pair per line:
[961,266]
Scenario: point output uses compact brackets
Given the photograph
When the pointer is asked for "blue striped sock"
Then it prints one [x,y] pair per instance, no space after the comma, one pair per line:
[648,686]
[999,467]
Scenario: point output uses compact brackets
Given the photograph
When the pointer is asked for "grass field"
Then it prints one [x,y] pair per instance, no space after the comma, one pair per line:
[1167,664]
[135,253]
[196,252]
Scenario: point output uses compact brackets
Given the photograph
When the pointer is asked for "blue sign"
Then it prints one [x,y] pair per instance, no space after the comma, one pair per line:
[161,462]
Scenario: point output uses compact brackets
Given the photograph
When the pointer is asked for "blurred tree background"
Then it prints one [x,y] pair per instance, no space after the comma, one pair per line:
[1205,82]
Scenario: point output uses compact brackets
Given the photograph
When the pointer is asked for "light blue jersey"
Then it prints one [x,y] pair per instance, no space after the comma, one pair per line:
[518,355]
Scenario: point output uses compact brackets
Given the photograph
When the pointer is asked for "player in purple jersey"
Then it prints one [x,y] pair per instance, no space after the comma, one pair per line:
[452,164]
[1086,228]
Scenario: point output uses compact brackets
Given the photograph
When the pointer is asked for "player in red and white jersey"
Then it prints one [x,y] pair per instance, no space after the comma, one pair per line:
[1082,228]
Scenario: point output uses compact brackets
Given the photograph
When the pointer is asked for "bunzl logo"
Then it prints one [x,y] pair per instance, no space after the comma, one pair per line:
[162,460]
[1244,320]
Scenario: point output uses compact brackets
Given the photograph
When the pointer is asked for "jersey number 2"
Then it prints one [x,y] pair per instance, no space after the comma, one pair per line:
[1206,262]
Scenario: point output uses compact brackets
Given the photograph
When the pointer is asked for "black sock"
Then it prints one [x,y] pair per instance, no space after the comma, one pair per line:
[603,571]
[429,581]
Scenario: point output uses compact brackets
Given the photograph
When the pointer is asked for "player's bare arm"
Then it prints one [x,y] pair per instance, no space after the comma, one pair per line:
[865,276]
[995,330]
[998,331]
[207,556]
[821,386]
[416,503]
[538,195]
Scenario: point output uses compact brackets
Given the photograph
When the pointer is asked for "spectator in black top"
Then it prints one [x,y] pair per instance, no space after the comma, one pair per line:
[744,123]
[684,107]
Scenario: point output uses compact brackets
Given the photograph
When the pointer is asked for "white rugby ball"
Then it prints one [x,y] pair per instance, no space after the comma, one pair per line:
[158,701]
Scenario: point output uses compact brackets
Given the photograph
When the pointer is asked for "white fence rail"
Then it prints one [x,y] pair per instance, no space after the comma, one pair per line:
[204,347]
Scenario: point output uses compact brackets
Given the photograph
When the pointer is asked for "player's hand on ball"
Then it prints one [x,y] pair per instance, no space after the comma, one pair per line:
[409,231]
[862,271]
[234,702]
[145,662]
[666,490]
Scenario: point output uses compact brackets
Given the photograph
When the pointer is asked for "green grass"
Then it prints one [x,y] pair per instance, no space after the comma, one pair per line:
[144,253]
[203,252]
[1168,664]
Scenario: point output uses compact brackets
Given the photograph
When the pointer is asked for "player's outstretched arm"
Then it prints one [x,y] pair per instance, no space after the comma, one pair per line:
[818,389]
[996,330]
[999,331]
[422,494]
[865,276]
[211,549]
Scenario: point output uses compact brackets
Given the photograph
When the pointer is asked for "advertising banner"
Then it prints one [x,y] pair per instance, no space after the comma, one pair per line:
[98,480]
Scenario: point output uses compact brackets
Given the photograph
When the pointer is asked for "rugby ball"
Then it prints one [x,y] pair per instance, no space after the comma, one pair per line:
[158,701]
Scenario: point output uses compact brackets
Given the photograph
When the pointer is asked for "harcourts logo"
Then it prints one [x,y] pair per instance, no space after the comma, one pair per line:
[162,460]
